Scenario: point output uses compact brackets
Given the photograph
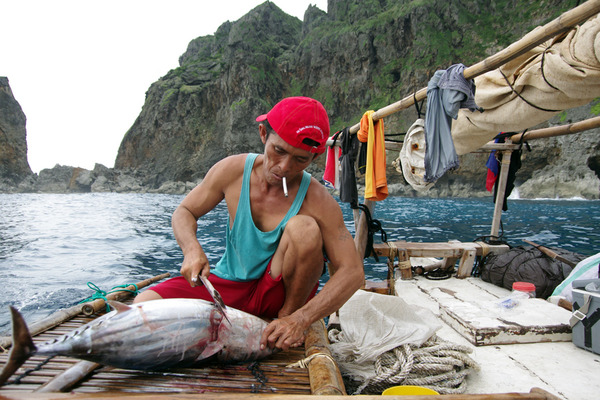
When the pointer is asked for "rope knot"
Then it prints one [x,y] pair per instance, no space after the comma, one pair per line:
[101,294]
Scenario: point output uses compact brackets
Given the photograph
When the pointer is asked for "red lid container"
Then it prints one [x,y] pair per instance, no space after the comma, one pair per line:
[524,287]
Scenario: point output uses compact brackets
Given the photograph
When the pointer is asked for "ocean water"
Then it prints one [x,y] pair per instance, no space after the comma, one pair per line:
[52,245]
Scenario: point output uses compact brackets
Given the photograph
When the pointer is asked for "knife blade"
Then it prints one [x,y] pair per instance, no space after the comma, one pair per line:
[216,296]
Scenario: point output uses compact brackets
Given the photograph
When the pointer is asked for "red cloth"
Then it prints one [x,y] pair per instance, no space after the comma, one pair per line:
[263,297]
[329,174]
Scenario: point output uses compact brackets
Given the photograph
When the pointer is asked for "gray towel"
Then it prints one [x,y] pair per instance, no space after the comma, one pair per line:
[447,92]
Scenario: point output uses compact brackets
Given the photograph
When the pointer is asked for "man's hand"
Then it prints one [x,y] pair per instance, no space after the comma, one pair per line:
[194,264]
[284,333]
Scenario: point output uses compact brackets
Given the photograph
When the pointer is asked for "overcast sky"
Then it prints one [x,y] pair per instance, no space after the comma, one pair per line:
[80,69]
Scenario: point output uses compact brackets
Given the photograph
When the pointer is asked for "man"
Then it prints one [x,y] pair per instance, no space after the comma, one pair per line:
[281,223]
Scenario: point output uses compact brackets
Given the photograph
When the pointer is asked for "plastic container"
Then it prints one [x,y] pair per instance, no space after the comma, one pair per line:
[407,390]
[521,292]
[525,287]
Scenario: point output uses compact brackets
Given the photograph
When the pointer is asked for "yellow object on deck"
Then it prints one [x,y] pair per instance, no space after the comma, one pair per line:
[407,390]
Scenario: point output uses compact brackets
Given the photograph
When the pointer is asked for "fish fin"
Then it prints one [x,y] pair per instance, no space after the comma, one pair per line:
[211,349]
[22,347]
[117,305]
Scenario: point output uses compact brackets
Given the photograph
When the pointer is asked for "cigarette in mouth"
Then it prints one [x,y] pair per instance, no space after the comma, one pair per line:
[285,192]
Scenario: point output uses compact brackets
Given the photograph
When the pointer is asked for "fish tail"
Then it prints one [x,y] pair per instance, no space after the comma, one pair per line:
[22,347]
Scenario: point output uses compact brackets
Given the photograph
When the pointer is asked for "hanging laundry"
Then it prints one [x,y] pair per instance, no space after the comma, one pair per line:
[331,176]
[447,92]
[371,132]
[493,164]
[493,167]
[348,190]
[515,165]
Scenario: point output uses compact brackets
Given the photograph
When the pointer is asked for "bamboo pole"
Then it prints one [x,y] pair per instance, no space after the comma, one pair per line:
[325,377]
[60,316]
[98,304]
[568,129]
[561,24]
[552,254]
[502,179]
[69,378]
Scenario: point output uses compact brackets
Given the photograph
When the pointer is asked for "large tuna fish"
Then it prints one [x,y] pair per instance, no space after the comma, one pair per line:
[152,335]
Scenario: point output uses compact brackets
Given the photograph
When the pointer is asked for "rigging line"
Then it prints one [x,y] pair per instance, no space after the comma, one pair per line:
[523,98]
[542,68]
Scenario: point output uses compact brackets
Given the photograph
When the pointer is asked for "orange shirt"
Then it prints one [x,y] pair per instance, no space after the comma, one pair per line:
[371,132]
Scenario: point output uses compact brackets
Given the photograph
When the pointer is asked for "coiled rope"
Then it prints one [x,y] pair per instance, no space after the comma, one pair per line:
[438,365]
[101,294]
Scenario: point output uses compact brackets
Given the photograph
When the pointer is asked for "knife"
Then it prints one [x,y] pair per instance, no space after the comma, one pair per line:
[216,296]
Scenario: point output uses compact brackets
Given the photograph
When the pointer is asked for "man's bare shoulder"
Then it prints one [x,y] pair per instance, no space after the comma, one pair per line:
[235,161]
[319,199]
[228,167]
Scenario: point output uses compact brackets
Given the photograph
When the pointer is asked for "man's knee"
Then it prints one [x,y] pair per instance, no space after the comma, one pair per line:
[147,295]
[304,232]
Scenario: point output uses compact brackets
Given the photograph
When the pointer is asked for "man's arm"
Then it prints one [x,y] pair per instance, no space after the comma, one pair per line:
[202,199]
[349,276]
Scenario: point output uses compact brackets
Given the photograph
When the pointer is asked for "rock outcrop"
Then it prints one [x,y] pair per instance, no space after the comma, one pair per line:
[14,167]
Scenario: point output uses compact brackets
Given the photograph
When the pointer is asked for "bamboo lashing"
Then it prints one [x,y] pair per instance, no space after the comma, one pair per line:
[325,377]
[65,314]
[96,305]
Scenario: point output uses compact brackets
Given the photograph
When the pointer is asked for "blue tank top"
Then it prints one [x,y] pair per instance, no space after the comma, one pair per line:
[248,249]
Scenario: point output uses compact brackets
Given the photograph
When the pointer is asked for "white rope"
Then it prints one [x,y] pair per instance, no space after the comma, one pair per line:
[441,366]
[305,361]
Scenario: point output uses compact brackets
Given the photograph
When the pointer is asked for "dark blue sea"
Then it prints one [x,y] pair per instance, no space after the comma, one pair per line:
[52,245]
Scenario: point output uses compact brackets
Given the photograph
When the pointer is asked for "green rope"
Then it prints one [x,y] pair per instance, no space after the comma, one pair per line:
[101,294]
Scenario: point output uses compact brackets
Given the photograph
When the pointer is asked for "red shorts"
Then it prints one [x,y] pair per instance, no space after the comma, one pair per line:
[263,297]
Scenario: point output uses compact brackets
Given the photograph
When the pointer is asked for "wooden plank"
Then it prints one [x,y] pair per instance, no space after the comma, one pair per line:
[439,249]
[476,315]
[467,261]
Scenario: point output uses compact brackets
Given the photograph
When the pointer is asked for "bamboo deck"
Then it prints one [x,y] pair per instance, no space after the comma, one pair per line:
[267,376]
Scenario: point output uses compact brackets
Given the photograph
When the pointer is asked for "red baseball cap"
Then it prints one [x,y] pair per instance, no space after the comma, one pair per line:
[298,118]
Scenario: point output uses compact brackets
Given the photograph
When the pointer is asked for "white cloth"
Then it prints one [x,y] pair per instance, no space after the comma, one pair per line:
[372,324]
[412,156]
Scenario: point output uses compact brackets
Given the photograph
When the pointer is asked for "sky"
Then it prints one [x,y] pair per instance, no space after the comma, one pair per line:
[80,68]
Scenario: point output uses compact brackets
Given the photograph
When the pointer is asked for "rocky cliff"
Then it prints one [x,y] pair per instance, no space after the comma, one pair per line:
[14,167]
[360,55]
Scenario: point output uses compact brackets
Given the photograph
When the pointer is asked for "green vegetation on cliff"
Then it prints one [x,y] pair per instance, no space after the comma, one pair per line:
[360,55]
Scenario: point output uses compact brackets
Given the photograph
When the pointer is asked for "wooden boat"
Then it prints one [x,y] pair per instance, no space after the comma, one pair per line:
[523,358]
